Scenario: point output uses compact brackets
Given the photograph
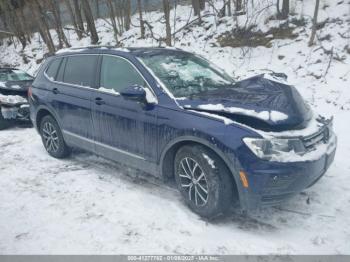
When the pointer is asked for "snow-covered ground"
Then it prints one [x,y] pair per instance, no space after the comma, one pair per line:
[89,205]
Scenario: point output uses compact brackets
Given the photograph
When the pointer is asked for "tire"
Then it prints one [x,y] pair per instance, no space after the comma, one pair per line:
[210,194]
[52,138]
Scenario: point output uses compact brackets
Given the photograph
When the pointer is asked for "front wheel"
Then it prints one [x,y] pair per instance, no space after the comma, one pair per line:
[52,138]
[203,180]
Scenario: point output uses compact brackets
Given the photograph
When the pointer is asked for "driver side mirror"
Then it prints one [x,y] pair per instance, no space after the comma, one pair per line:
[134,93]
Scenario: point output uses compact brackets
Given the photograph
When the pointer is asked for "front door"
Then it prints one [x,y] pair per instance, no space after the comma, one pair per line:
[123,127]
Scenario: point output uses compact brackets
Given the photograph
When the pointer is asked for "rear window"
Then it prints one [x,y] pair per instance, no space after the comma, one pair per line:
[80,70]
[51,72]
[13,75]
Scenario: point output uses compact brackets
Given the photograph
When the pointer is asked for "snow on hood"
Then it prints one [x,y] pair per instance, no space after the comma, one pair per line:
[272,115]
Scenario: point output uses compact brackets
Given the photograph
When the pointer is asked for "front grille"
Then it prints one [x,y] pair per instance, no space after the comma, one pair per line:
[312,140]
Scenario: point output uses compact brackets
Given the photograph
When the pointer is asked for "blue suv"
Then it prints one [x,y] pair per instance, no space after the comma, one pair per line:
[174,115]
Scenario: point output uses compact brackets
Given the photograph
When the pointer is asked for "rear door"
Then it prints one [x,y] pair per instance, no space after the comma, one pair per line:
[123,127]
[71,90]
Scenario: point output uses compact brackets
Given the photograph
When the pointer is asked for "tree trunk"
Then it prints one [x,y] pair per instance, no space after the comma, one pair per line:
[229,12]
[201,4]
[42,25]
[196,9]
[58,23]
[285,9]
[78,15]
[90,22]
[97,7]
[314,23]
[238,5]
[127,15]
[73,19]
[13,21]
[166,8]
[142,26]
[112,17]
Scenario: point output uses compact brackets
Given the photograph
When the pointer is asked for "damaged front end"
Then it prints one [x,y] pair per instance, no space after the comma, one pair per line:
[13,109]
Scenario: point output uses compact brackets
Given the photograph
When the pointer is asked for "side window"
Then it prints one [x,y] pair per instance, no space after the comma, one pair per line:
[117,73]
[60,73]
[80,70]
[51,72]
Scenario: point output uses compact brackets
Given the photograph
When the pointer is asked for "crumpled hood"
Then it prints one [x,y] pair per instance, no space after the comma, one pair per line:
[265,102]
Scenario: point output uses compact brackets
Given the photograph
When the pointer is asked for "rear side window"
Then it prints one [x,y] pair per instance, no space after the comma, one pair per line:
[51,72]
[80,70]
[117,73]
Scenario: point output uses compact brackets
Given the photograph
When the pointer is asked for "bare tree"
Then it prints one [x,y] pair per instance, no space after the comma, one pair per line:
[73,19]
[229,12]
[54,6]
[238,5]
[42,24]
[142,25]
[196,9]
[90,21]
[127,14]
[12,18]
[78,15]
[314,23]
[166,8]
[112,17]
[285,9]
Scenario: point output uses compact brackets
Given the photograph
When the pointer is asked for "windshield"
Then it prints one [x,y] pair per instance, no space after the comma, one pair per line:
[14,75]
[185,74]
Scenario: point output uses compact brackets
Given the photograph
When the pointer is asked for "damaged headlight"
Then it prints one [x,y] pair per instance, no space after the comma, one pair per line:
[273,148]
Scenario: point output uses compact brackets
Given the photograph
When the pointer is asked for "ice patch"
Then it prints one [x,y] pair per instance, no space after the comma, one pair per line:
[2,84]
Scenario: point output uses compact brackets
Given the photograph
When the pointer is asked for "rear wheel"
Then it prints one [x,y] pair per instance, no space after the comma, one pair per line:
[203,180]
[52,138]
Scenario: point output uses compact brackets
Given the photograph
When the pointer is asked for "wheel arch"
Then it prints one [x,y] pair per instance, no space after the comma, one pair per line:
[41,113]
[168,156]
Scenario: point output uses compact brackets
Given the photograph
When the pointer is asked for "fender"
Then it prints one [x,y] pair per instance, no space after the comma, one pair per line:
[231,164]
[52,112]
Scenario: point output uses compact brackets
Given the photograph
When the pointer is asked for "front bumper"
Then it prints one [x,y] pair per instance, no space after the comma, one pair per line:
[271,183]
[17,112]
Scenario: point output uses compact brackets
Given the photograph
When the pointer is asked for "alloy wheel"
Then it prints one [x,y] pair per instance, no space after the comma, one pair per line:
[194,181]
[50,137]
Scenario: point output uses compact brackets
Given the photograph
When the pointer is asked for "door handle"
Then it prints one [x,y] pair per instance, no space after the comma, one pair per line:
[99,101]
[55,91]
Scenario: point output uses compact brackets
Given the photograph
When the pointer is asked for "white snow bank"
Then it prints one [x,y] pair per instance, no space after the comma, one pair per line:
[273,115]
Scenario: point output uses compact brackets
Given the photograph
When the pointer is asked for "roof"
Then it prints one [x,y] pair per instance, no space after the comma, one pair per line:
[109,49]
